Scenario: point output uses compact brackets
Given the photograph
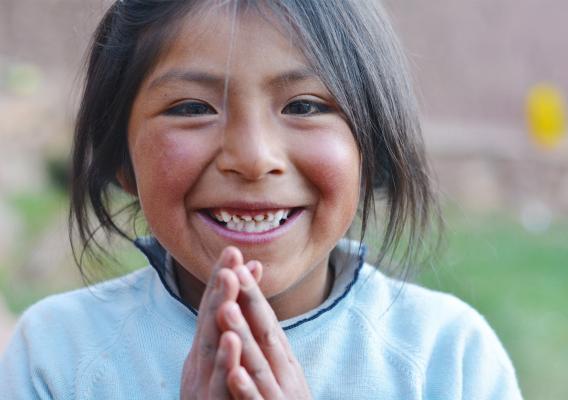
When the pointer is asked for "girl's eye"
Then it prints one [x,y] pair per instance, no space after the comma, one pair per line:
[191,109]
[305,107]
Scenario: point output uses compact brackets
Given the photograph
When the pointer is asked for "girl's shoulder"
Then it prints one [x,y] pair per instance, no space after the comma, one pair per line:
[409,341]
[438,335]
[91,314]
[66,344]
[415,315]
[387,301]
[108,299]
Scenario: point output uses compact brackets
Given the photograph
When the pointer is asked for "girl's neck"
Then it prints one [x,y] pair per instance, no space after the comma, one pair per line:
[295,301]
[308,293]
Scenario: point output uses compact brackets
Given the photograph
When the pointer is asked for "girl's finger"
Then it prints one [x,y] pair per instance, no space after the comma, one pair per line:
[222,286]
[252,357]
[241,385]
[263,322]
[230,257]
[255,269]
[227,358]
[270,338]
[199,364]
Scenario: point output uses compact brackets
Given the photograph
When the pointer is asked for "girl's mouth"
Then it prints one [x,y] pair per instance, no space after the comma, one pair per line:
[251,221]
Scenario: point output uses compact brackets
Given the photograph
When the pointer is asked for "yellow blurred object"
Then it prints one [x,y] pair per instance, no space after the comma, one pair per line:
[546,111]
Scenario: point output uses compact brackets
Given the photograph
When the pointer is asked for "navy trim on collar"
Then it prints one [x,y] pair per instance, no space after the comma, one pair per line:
[361,255]
[157,256]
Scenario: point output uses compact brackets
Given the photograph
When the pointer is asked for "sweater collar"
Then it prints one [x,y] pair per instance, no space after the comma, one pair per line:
[347,259]
[162,262]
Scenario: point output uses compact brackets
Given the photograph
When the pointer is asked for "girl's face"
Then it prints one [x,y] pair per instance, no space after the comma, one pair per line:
[234,125]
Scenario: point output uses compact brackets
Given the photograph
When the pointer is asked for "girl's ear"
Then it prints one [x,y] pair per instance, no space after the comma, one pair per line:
[127,182]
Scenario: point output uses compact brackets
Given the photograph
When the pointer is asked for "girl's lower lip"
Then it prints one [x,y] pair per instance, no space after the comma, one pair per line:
[251,238]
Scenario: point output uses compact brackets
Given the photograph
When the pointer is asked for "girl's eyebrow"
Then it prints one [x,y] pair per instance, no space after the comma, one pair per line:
[295,75]
[201,77]
[218,81]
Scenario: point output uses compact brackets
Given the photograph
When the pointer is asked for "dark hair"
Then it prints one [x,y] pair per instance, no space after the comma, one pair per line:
[352,47]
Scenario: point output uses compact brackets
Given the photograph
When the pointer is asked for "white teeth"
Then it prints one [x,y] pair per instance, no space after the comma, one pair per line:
[252,223]
[235,226]
[225,216]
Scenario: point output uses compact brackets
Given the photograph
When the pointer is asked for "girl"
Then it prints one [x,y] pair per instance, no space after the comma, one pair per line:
[250,133]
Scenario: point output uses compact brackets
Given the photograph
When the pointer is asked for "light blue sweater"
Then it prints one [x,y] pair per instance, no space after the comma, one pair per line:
[128,338]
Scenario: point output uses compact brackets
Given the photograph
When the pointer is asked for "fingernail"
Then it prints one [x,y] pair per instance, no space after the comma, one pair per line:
[226,257]
[233,313]
[251,265]
[255,269]
[245,277]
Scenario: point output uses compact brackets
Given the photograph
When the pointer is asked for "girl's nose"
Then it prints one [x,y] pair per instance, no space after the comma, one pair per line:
[251,150]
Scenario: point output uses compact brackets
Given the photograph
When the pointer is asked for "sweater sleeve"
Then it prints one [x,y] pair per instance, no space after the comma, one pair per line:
[487,367]
[40,359]
[19,378]
[481,367]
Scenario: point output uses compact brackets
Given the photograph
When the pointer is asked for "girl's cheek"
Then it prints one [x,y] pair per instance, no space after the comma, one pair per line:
[167,166]
[333,169]
[334,165]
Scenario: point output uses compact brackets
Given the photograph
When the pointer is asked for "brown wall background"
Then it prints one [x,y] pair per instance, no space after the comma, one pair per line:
[473,62]
[472,59]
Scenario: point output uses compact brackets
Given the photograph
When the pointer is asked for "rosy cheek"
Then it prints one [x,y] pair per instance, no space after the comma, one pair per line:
[166,166]
[333,170]
[335,166]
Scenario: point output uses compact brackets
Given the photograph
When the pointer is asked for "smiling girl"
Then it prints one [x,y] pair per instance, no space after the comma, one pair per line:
[250,133]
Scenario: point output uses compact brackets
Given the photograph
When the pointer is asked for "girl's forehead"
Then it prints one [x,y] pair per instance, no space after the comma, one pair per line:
[220,40]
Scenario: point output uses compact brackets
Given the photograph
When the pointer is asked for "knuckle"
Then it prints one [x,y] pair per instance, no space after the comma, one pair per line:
[206,349]
[247,341]
[268,339]
[260,374]
[212,307]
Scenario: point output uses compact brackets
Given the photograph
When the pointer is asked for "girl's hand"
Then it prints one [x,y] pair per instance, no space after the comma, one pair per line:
[214,353]
[268,368]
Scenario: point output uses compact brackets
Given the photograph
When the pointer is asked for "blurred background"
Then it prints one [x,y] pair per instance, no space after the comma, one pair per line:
[492,80]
